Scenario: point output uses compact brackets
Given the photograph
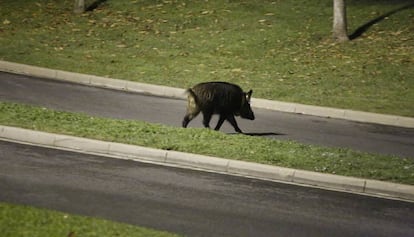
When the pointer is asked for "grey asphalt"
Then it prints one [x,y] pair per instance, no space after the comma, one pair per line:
[190,202]
[65,96]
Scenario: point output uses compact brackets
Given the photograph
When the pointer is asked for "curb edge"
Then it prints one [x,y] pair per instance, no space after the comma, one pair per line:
[207,163]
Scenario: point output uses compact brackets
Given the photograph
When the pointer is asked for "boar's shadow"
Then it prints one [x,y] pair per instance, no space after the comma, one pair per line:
[261,134]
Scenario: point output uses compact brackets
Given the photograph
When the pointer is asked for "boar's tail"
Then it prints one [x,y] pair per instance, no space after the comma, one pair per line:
[192,97]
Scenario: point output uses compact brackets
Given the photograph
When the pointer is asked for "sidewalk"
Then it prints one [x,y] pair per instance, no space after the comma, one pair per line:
[199,162]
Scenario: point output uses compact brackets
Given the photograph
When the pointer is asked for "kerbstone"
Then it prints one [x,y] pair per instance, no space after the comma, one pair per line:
[82,144]
[329,181]
[197,161]
[108,83]
[273,105]
[137,152]
[72,77]
[27,136]
[367,117]
[260,171]
[376,187]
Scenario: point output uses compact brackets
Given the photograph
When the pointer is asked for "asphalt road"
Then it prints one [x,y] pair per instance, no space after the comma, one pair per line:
[117,104]
[189,202]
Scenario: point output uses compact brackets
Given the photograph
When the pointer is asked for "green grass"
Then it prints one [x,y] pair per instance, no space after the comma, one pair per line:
[209,142]
[21,221]
[281,49]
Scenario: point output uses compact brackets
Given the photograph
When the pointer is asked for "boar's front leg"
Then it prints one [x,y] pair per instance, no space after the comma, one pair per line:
[220,122]
[231,119]
[233,122]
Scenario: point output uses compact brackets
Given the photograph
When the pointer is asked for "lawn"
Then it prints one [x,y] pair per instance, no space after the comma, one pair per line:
[22,221]
[281,49]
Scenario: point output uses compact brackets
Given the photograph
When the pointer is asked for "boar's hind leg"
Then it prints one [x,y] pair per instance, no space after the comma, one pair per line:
[192,108]
[206,118]
[233,122]
[188,117]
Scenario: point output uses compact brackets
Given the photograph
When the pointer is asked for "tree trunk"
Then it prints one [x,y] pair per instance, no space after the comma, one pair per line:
[339,21]
[79,6]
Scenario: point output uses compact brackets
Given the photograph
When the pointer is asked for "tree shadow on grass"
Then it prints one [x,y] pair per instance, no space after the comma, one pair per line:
[362,29]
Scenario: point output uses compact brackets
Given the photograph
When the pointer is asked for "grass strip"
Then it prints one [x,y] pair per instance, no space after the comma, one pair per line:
[18,220]
[209,142]
[281,49]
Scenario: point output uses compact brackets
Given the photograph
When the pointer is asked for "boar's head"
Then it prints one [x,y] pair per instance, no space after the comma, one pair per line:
[245,109]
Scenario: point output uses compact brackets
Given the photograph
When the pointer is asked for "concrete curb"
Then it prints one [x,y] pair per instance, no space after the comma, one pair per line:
[117,84]
[207,163]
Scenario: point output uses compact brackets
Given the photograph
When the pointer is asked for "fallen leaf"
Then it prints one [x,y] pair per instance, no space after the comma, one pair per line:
[205,12]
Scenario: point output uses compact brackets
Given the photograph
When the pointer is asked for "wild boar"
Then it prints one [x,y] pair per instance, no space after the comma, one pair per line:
[222,98]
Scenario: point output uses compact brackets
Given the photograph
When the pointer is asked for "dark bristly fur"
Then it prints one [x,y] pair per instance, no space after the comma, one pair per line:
[222,98]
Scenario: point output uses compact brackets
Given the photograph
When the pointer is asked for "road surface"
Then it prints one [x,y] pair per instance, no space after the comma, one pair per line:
[117,104]
[189,202]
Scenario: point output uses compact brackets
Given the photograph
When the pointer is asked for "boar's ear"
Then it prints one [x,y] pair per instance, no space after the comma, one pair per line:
[249,95]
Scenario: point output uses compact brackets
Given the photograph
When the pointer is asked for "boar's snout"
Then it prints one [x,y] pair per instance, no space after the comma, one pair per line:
[249,115]
[246,111]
